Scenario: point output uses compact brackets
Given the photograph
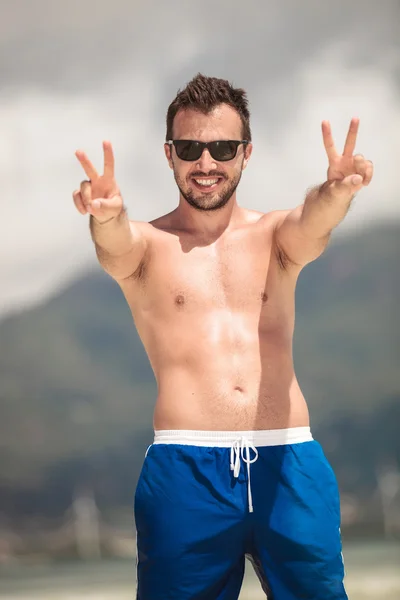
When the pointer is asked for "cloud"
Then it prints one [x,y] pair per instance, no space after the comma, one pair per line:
[292,86]
[293,158]
[63,46]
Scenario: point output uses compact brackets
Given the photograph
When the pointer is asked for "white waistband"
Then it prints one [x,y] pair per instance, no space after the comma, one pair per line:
[225,439]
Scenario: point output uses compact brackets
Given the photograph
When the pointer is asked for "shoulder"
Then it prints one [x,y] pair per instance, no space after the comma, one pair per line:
[150,229]
[270,222]
[274,218]
[266,217]
[162,222]
[266,225]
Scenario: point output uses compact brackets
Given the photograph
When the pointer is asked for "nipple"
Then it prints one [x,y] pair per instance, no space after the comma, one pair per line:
[180,300]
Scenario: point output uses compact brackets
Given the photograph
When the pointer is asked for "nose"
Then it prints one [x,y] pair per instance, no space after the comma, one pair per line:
[206,162]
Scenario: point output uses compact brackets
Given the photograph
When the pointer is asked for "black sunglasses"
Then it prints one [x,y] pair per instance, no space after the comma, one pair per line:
[220,150]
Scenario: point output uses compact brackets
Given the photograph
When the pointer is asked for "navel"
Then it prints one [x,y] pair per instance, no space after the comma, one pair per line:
[264,297]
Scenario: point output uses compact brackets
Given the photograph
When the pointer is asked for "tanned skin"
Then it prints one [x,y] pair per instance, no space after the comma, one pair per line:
[212,289]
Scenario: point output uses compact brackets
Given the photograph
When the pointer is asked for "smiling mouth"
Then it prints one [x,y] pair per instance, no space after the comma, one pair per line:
[207,184]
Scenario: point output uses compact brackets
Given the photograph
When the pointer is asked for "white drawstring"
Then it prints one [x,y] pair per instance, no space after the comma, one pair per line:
[237,453]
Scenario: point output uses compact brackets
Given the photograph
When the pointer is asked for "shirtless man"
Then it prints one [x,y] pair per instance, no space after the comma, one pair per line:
[233,469]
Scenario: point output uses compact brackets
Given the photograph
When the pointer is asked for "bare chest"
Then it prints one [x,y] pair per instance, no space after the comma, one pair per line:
[230,275]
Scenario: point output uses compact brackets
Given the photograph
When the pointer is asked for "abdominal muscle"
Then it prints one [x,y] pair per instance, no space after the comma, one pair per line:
[223,372]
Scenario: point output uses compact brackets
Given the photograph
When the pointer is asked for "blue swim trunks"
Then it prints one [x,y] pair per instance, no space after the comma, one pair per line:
[206,500]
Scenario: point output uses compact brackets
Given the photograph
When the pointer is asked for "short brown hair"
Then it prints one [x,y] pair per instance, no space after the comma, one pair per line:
[204,94]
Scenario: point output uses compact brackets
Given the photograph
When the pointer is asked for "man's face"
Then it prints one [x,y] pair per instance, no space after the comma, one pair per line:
[223,123]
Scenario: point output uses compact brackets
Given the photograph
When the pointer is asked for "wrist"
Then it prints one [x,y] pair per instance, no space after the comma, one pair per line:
[102,222]
[109,219]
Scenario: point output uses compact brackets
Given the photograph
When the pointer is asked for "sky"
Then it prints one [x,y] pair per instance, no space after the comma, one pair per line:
[74,73]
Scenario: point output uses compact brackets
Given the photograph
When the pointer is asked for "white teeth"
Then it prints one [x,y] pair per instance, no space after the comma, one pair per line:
[206,182]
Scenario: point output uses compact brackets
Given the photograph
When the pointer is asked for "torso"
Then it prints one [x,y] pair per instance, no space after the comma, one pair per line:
[217,322]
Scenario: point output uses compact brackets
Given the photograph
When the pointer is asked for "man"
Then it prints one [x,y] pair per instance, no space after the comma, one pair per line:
[234,469]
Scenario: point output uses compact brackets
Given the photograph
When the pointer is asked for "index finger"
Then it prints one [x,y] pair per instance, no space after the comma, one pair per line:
[87,165]
[328,140]
[108,160]
[351,138]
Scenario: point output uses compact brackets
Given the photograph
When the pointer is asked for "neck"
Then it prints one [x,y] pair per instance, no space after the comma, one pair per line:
[208,224]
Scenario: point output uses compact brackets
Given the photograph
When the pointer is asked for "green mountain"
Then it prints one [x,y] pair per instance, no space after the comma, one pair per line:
[77,392]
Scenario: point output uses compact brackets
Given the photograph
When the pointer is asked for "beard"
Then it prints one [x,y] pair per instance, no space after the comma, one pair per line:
[210,201]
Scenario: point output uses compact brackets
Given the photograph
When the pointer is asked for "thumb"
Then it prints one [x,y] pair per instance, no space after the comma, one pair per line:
[95,204]
[106,205]
[355,180]
[349,185]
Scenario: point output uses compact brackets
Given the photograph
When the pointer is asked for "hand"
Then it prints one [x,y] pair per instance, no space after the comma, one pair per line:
[100,196]
[346,173]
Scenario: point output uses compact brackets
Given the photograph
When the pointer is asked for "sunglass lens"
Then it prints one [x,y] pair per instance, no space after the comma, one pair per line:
[223,150]
[191,150]
[188,149]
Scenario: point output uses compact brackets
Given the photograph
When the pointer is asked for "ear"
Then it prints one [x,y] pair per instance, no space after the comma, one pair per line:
[168,154]
[247,153]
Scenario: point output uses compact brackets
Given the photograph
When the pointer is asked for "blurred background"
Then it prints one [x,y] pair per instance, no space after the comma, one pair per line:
[76,389]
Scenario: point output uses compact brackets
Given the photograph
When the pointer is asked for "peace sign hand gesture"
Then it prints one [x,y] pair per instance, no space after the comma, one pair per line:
[100,196]
[347,173]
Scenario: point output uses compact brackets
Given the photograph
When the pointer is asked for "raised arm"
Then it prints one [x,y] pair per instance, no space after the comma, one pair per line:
[303,233]
[120,243]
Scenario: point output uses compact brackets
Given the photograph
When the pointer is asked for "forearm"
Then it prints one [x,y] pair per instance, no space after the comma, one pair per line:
[113,237]
[323,209]
[301,235]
